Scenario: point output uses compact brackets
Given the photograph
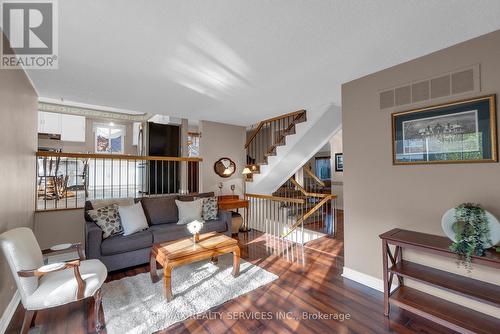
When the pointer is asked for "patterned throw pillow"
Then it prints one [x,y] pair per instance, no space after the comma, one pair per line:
[108,219]
[210,208]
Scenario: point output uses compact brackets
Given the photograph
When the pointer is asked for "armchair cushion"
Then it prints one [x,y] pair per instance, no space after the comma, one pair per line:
[60,287]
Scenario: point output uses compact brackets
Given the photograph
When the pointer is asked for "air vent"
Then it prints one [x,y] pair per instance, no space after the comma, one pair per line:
[403,95]
[452,83]
[440,87]
[462,82]
[420,91]
[387,99]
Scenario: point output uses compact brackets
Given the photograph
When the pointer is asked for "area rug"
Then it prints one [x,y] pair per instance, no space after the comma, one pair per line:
[136,305]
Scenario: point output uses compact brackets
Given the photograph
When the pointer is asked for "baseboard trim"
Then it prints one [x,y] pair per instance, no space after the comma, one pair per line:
[9,312]
[367,280]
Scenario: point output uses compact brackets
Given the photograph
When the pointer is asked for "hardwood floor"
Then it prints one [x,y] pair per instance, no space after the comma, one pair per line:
[314,288]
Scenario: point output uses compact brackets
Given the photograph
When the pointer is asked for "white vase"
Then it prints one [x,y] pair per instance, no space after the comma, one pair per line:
[448,220]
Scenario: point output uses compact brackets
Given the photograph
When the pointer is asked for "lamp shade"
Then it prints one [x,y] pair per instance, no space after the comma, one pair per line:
[246,171]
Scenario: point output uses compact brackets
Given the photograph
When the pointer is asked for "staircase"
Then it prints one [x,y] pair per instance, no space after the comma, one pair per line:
[289,212]
[268,136]
[279,147]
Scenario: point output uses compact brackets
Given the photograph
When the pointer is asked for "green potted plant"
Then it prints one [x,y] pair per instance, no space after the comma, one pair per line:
[471,232]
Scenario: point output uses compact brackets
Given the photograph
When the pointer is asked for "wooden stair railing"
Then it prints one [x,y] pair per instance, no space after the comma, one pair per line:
[323,204]
[319,210]
[315,182]
[269,134]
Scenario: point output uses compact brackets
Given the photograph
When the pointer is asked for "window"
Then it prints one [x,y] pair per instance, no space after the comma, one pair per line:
[323,167]
[193,144]
[109,138]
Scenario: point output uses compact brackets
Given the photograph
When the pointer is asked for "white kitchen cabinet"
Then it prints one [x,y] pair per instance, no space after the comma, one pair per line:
[72,128]
[136,127]
[49,122]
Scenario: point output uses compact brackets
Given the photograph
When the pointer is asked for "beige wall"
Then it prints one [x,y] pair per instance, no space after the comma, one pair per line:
[18,109]
[221,141]
[379,196]
[89,144]
[69,224]
[337,177]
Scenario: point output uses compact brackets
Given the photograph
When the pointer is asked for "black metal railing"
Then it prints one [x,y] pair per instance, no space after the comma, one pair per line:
[67,180]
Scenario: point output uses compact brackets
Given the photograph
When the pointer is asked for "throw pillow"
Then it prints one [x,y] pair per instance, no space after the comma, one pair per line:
[210,208]
[133,218]
[189,211]
[108,219]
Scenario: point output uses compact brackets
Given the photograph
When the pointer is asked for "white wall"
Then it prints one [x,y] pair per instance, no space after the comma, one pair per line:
[217,141]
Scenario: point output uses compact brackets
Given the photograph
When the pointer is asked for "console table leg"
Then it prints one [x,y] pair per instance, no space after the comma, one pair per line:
[386,278]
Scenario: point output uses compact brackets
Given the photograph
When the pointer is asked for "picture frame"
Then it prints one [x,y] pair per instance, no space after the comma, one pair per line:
[464,131]
[339,162]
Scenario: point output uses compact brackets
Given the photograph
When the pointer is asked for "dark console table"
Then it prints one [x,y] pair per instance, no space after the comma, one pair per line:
[451,315]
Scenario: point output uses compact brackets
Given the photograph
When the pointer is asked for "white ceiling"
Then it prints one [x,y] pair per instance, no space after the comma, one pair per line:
[238,61]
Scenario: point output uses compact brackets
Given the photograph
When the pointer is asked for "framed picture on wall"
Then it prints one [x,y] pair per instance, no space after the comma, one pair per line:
[339,162]
[458,132]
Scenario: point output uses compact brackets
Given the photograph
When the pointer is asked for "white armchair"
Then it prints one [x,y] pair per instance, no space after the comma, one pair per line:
[42,288]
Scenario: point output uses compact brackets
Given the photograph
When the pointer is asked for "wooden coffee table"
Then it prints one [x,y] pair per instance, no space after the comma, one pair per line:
[177,253]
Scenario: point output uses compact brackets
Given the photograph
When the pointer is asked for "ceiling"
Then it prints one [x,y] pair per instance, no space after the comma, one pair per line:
[239,62]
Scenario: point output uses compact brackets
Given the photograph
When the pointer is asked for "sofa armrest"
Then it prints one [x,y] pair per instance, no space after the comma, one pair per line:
[93,240]
[226,216]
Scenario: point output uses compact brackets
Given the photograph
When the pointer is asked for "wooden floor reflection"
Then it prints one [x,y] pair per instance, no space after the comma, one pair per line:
[310,296]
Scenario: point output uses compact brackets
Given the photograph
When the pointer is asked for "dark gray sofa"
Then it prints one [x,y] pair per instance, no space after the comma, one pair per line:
[118,252]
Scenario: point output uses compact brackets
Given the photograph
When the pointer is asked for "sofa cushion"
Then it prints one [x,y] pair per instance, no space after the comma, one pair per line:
[108,219]
[99,203]
[122,244]
[189,211]
[205,195]
[169,232]
[160,210]
[133,218]
[210,208]
[216,225]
